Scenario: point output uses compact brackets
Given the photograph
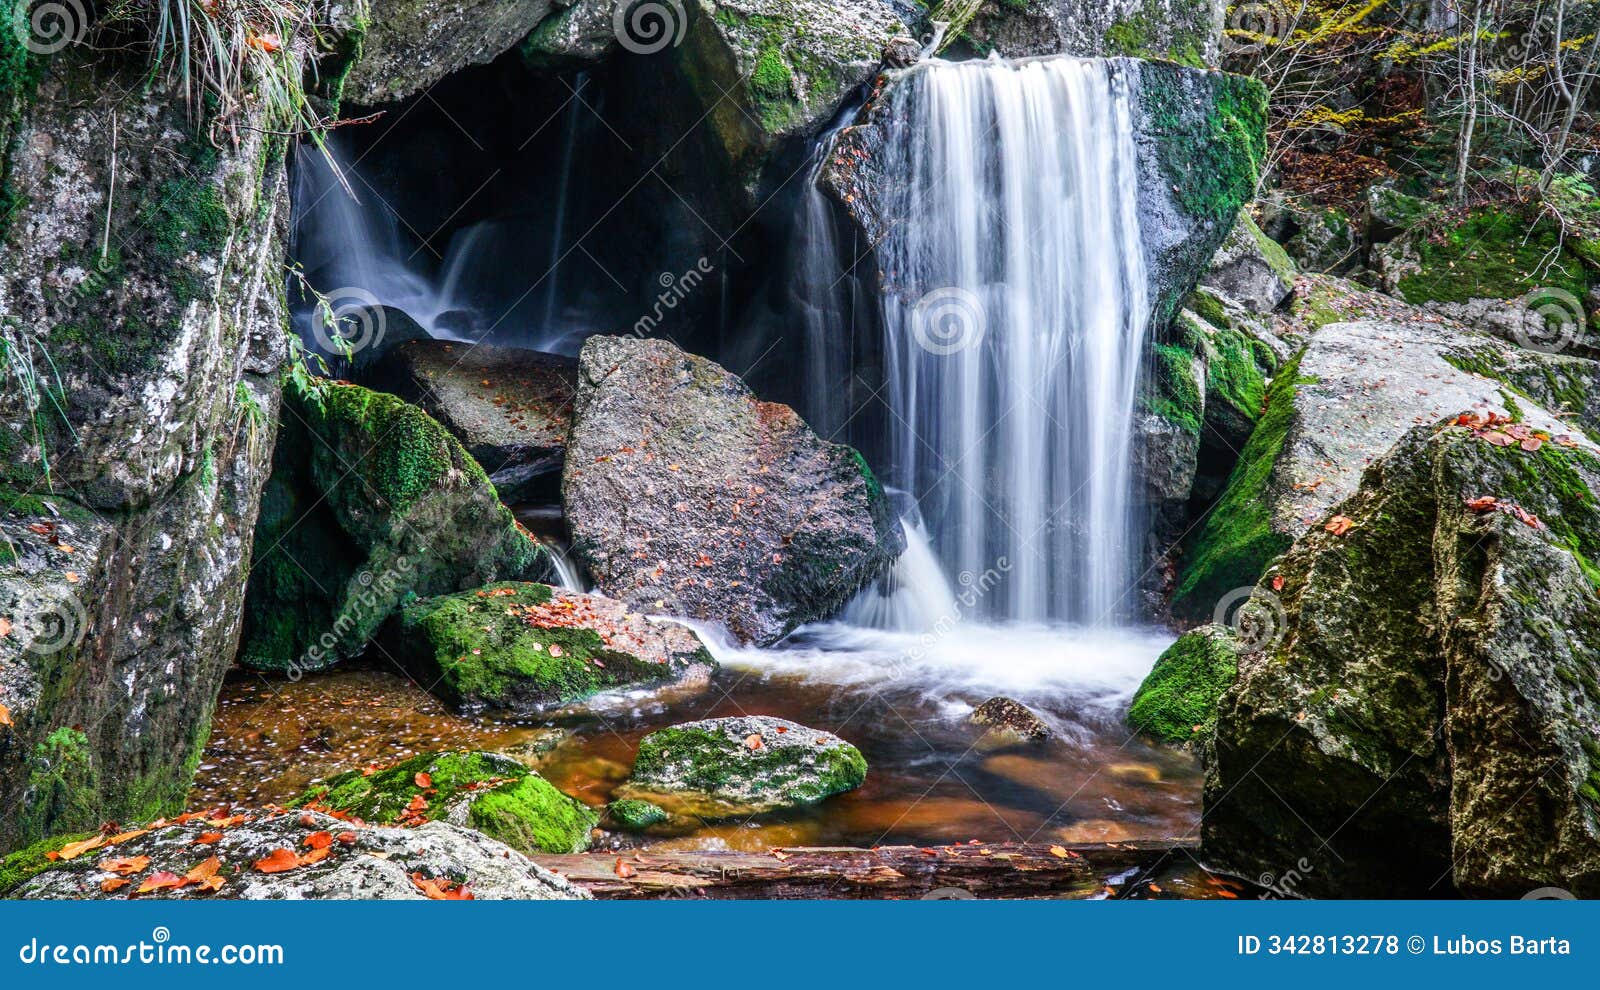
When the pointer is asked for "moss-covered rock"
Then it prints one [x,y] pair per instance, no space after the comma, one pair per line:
[1251,267]
[633,815]
[1177,702]
[371,501]
[518,647]
[493,794]
[729,767]
[1425,715]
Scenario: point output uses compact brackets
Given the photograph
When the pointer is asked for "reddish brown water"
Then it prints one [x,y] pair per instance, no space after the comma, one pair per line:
[928,782]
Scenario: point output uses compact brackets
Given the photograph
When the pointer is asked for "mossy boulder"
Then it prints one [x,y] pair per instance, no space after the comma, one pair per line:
[518,647]
[492,794]
[338,860]
[688,496]
[1341,404]
[371,501]
[1251,268]
[1423,719]
[733,767]
[1177,702]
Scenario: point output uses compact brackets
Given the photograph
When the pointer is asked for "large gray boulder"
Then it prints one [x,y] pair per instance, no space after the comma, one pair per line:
[688,496]
[509,407]
[397,48]
[1354,391]
[133,452]
[335,860]
[1251,268]
[1418,710]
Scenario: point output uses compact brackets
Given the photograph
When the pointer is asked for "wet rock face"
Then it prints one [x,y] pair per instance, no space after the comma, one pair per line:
[362,863]
[1420,714]
[509,407]
[688,496]
[162,342]
[1186,31]
[1006,720]
[521,647]
[371,501]
[1251,268]
[724,767]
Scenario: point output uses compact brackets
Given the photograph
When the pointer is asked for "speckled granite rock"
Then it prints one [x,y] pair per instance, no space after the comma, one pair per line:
[688,496]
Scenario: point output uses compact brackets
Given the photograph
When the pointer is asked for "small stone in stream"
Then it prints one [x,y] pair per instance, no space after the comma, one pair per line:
[709,769]
[634,815]
[1009,721]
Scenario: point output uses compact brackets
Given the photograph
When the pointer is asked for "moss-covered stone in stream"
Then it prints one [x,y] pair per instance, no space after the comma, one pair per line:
[1237,540]
[634,816]
[494,794]
[491,649]
[1178,700]
[728,767]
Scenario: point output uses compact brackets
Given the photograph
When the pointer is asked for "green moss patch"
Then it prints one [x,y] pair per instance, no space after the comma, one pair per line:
[1493,254]
[1178,700]
[27,863]
[634,815]
[1237,540]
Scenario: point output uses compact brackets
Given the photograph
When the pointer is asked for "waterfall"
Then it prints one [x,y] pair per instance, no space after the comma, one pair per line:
[1014,318]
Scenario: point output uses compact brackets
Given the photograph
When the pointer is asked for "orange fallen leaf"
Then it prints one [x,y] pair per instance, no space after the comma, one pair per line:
[121,837]
[752,741]
[347,838]
[5,713]
[5,627]
[204,871]
[73,850]
[319,840]
[111,885]
[71,576]
[207,838]
[161,881]
[125,867]
[1154,888]
[1277,582]
[624,870]
[1060,852]
[315,856]
[423,780]
[278,861]
[441,890]
[1339,525]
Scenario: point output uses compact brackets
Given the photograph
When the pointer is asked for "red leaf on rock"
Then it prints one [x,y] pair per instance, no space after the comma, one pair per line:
[1339,525]
[278,861]
[319,840]
[1277,582]
[125,867]
[111,885]
[207,838]
[752,742]
[160,881]
[624,870]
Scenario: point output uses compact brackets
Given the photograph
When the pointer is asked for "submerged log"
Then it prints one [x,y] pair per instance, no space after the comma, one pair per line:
[989,870]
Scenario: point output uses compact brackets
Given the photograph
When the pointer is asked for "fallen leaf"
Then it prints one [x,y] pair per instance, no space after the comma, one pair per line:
[624,870]
[315,856]
[442,890]
[1154,888]
[73,850]
[423,780]
[110,885]
[5,627]
[1339,525]
[207,838]
[1277,582]
[278,861]
[1060,852]
[71,576]
[347,838]
[319,840]
[204,871]
[5,713]
[1482,504]
[125,867]
[160,881]
[752,741]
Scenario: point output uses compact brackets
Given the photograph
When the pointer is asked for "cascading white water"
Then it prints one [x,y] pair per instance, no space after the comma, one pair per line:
[1014,320]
